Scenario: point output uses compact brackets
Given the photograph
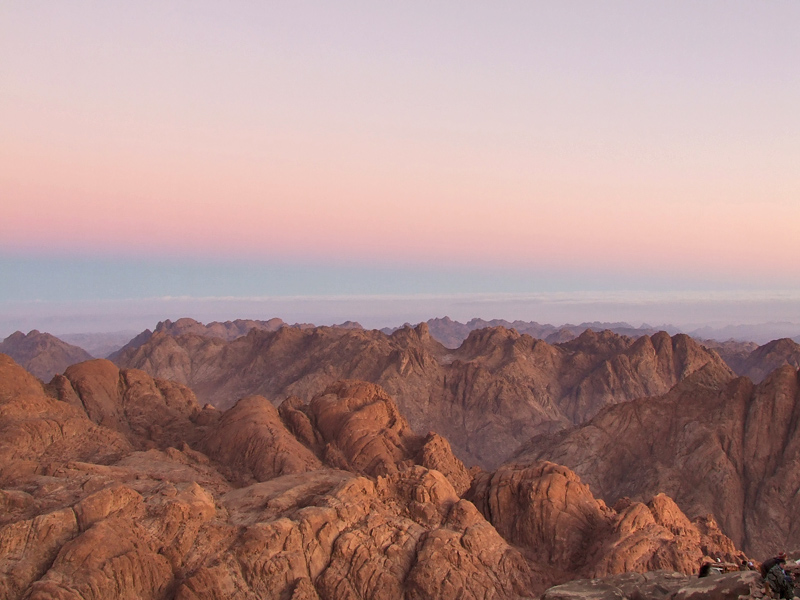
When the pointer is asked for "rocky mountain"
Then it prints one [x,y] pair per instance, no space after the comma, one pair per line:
[754,361]
[494,392]
[732,352]
[117,485]
[765,359]
[452,334]
[228,330]
[717,444]
[42,354]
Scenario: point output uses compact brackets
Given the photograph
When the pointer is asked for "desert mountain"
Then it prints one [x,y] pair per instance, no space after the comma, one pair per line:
[717,444]
[42,354]
[452,333]
[117,485]
[765,359]
[494,392]
[227,330]
[734,353]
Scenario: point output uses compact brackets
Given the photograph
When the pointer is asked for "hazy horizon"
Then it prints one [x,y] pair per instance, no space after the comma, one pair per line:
[754,317]
[392,162]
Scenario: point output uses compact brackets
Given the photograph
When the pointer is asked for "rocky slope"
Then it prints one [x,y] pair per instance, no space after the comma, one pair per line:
[765,359]
[42,354]
[734,353]
[546,510]
[715,443]
[498,389]
[114,484]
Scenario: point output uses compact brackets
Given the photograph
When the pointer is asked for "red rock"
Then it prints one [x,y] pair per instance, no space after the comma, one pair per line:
[718,445]
[252,440]
[545,509]
[493,393]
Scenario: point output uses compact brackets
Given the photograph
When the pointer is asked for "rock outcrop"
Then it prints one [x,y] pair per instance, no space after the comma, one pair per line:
[545,509]
[661,585]
[333,498]
[765,359]
[497,390]
[42,354]
[717,444]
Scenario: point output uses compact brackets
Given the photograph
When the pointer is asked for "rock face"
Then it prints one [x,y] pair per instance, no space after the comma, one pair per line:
[765,359]
[42,354]
[117,485]
[717,444]
[545,509]
[493,393]
[733,352]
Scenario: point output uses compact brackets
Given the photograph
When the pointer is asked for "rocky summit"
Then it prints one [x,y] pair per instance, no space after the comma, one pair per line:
[115,484]
[42,354]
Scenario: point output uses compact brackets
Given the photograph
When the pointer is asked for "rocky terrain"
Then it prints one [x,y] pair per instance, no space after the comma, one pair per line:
[115,484]
[662,585]
[42,354]
[715,443]
[494,392]
[452,334]
[765,359]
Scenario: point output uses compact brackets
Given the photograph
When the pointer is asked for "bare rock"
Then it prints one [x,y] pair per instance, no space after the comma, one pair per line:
[363,426]
[488,396]
[717,445]
[545,509]
[252,439]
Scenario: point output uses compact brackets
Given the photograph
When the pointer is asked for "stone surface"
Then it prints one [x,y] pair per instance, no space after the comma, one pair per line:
[332,498]
[545,509]
[716,444]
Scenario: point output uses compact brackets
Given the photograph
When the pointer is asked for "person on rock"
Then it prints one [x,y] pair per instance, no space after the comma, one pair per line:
[777,579]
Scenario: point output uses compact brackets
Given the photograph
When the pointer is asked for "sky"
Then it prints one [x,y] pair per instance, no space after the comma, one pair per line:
[384,161]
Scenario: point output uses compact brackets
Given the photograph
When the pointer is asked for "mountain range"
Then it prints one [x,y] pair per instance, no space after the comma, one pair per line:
[325,462]
[487,397]
[116,484]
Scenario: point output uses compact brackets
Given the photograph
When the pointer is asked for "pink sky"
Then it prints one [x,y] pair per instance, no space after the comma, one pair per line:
[644,138]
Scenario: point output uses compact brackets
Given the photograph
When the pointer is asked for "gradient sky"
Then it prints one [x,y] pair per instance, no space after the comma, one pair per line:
[269,149]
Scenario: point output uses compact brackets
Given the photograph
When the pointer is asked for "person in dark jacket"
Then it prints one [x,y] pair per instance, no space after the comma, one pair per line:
[777,579]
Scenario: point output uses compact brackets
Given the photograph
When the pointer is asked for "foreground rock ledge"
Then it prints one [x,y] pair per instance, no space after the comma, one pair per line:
[661,585]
